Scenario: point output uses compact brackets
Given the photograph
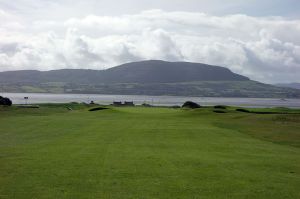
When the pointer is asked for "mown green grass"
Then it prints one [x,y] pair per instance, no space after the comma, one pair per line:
[52,152]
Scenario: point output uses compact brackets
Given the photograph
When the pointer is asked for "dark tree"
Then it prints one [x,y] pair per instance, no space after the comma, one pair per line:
[5,101]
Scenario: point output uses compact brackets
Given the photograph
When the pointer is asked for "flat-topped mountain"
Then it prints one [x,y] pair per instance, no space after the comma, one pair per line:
[153,71]
[152,77]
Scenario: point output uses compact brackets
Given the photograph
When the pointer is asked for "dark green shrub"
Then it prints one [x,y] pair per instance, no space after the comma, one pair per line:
[190,104]
[5,101]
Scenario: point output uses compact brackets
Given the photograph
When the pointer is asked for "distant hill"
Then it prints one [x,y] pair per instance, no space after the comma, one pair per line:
[137,72]
[169,72]
[290,85]
[152,77]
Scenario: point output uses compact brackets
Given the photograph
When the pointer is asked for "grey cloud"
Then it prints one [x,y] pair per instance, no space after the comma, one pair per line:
[263,48]
[9,48]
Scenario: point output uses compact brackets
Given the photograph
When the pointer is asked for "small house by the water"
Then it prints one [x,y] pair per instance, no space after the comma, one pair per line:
[123,104]
[128,103]
[117,104]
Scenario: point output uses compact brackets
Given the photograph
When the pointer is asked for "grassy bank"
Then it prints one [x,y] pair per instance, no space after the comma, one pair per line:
[59,152]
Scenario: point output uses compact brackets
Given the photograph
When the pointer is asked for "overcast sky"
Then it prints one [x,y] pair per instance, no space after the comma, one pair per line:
[256,38]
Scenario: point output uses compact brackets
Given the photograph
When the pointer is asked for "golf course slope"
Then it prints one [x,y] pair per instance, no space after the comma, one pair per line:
[67,151]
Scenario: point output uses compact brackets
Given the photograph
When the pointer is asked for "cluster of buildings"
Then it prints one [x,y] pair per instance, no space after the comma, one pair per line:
[123,104]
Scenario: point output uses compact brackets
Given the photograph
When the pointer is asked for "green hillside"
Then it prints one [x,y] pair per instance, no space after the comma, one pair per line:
[144,78]
[201,89]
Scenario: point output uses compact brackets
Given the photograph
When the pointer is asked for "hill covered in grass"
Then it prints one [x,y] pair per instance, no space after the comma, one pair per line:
[144,78]
[152,71]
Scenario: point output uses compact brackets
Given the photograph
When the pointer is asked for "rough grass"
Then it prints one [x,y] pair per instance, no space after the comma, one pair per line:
[52,152]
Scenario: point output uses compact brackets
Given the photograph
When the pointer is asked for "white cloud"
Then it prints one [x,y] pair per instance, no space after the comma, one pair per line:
[265,49]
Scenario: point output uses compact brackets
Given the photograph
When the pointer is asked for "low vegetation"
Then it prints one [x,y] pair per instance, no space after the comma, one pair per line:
[190,104]
[4,101]
[148,152]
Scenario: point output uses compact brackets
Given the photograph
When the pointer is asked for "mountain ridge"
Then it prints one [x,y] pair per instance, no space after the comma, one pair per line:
[152,77]
[151,71]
